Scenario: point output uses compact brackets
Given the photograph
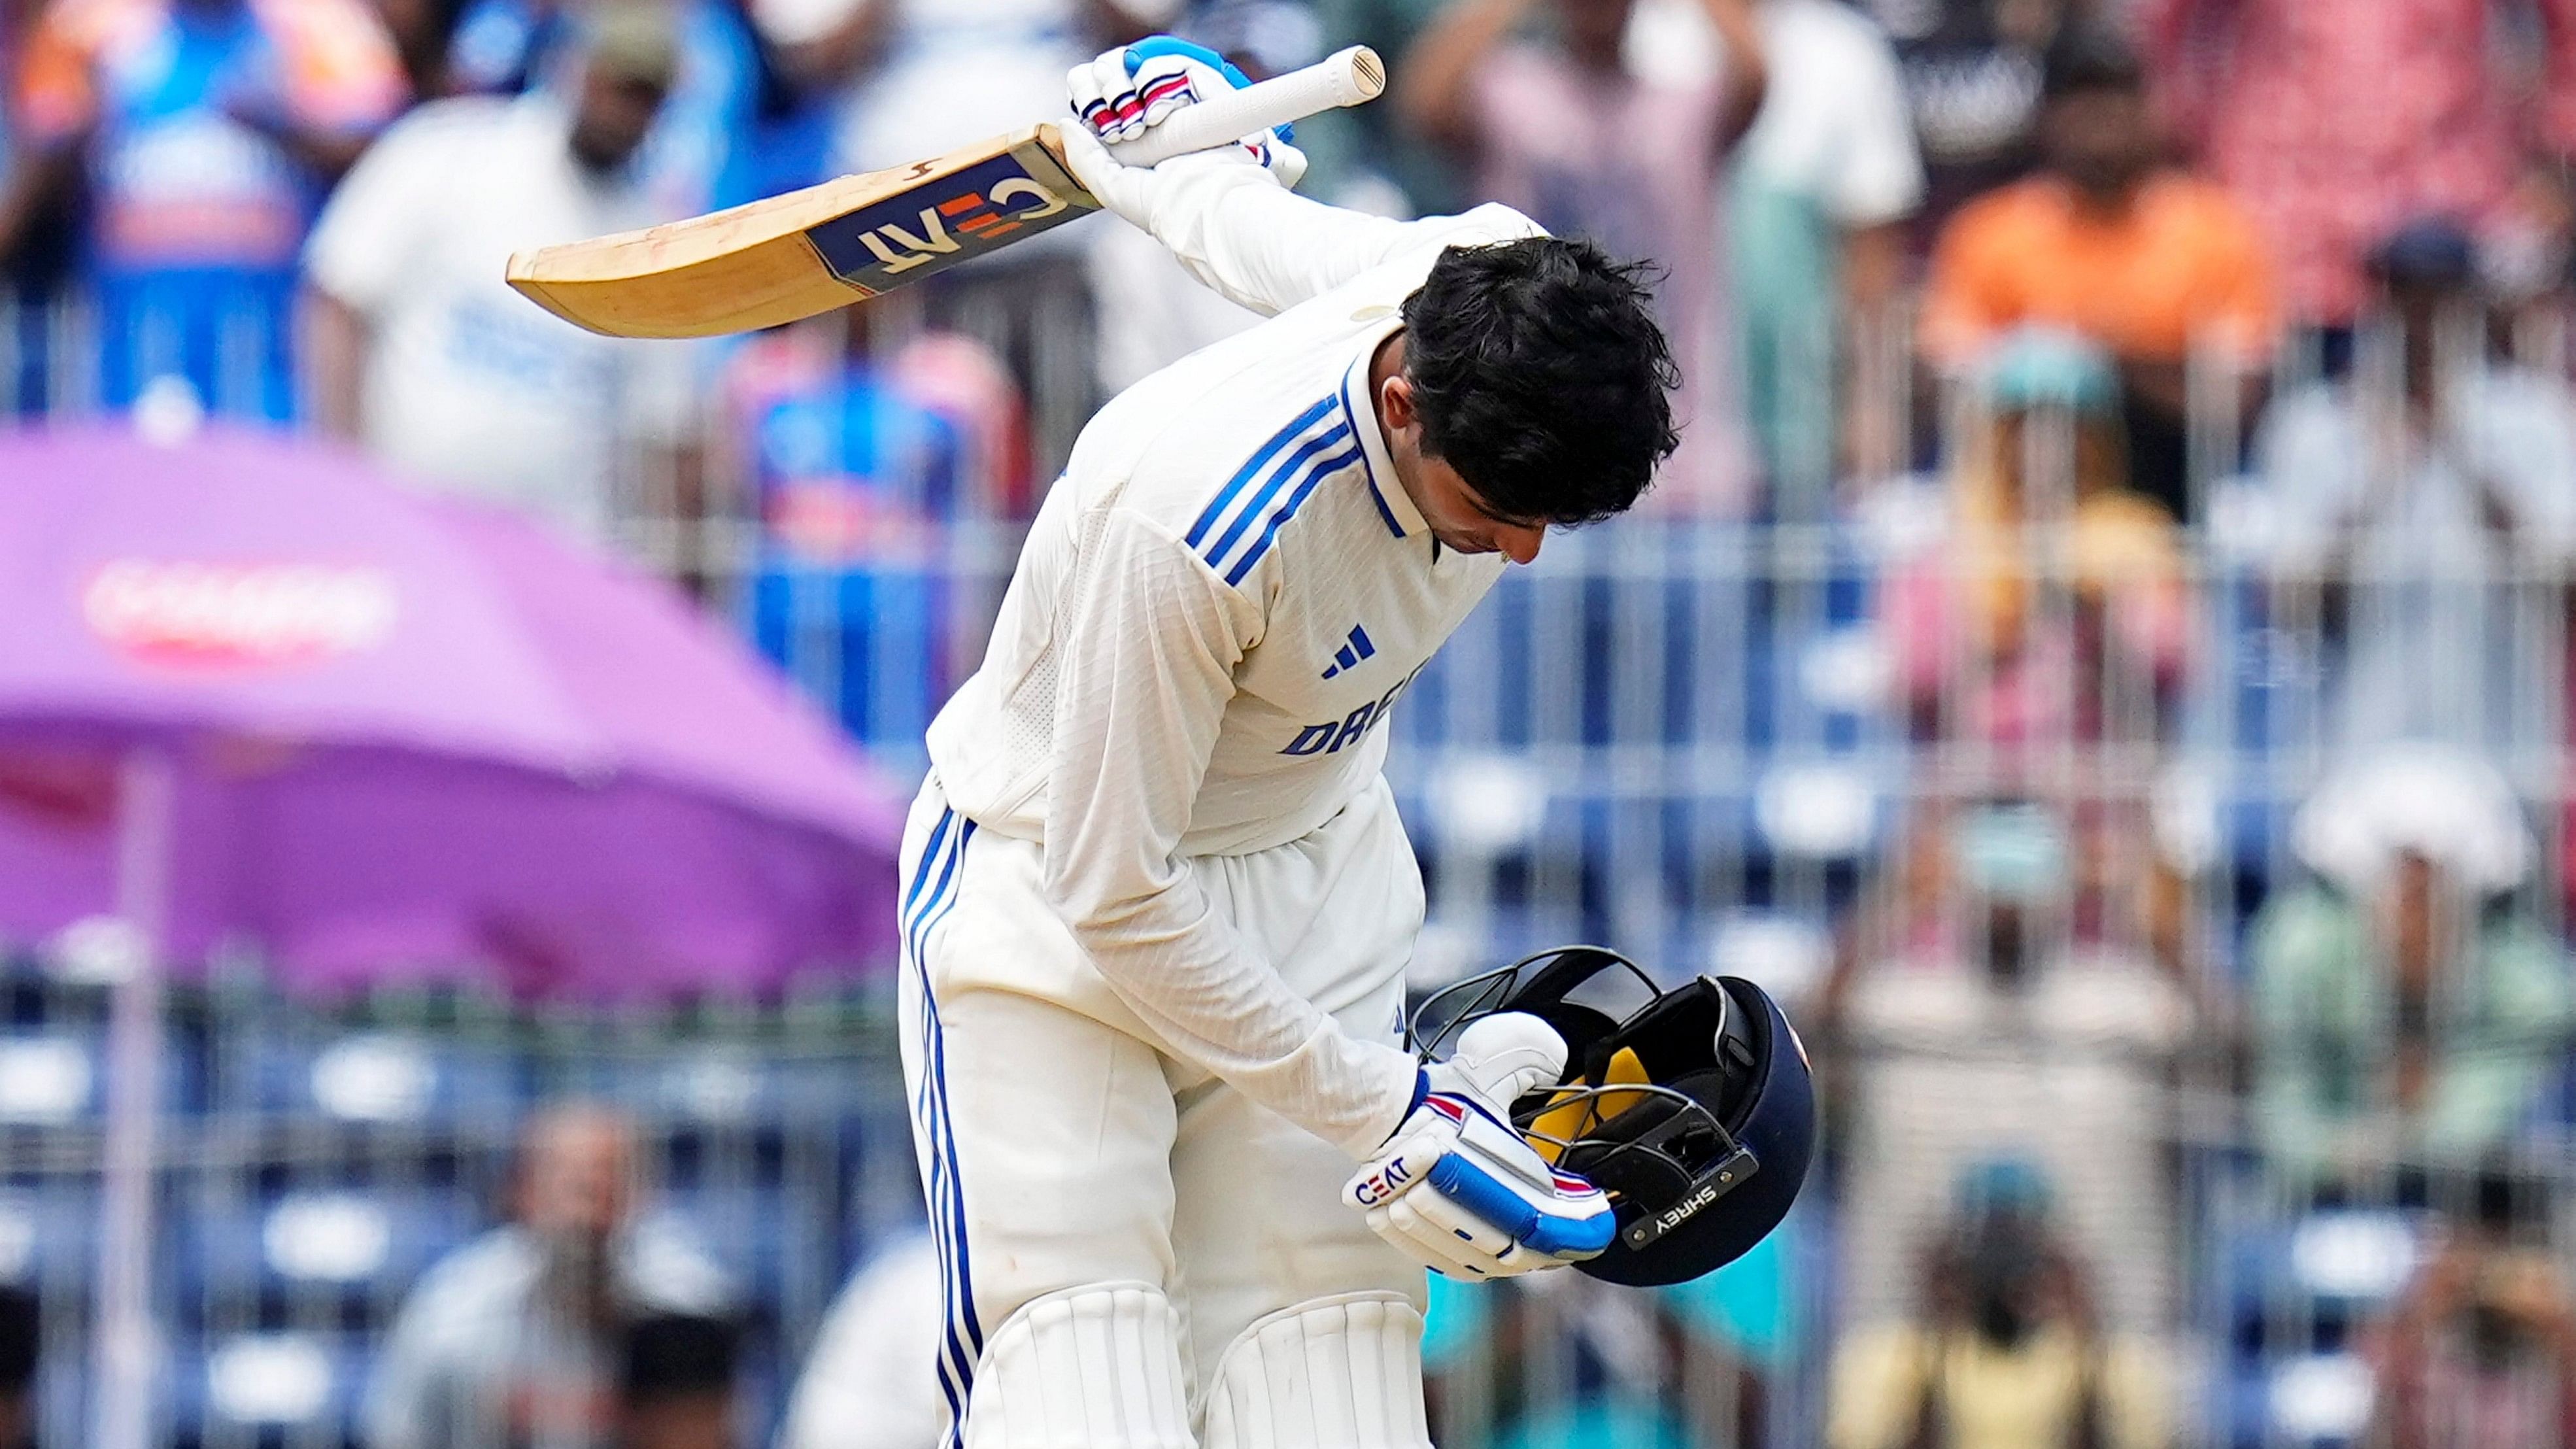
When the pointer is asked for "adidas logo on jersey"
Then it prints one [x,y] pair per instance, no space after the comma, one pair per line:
[1353,650]
[1330,736]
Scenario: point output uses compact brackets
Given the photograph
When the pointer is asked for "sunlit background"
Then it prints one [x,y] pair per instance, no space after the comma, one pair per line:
[2100,658]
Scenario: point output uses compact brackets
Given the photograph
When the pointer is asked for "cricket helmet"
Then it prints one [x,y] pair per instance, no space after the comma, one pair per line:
[1694,1110]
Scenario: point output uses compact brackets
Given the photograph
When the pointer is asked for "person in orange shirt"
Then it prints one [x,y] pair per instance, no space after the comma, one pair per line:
[2108,241]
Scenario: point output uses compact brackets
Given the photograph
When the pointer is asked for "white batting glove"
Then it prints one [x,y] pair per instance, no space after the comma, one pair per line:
[1130,88]
[1458,1188]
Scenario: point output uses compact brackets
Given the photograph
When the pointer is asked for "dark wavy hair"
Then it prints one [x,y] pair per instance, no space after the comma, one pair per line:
[1540,375]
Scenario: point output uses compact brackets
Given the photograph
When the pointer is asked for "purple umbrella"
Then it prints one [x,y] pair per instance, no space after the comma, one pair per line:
[249,689]
[404,736]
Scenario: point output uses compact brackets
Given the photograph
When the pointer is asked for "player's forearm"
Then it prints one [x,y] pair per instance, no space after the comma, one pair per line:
[1235,228]
[1197,983]
[1144,921]
[1202,989]
[1148,652]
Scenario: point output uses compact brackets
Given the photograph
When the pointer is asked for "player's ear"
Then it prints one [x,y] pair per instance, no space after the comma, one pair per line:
[1395,402]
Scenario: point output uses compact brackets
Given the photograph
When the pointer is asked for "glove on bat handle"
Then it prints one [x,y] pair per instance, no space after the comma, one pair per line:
[1344,78]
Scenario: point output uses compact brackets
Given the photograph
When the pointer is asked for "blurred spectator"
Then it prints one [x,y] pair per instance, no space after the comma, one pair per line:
[22,1339]
[1031,303]
[675,1388]
[2408,1005]
[2332,122]
[2479,1351]
[1568,132]
[1367,149]
[1827,178]
[420,31]
[517,1337]
[2000,997]
[751,99]
[709,146]
[2053,608]
[419,347]
[869,473]
[503,47]
[911,104]
[2431,497]
[2151,263]
[1972,71]
[39,227]
[210,130]
[1561,1361]
[2008,1351]
[867,1382]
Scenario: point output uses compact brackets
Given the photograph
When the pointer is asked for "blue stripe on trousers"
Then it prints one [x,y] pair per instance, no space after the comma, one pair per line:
[957,1356]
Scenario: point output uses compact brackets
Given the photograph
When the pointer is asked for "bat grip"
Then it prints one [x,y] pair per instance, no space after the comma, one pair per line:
[1344,78]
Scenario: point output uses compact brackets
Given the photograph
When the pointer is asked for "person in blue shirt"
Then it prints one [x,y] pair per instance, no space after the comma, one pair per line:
[861,467]
[209,131]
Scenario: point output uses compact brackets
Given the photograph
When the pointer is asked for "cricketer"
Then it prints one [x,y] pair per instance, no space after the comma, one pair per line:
[1157,903]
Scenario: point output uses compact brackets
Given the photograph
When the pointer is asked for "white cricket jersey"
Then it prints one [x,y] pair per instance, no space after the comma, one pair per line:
[1214,613]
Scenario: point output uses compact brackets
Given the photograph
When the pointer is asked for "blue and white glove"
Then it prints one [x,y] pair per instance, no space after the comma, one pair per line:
[1458,1188]
[1132,87]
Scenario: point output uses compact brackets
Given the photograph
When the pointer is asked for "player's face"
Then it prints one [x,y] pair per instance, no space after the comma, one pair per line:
[1461,521]
[1456,513]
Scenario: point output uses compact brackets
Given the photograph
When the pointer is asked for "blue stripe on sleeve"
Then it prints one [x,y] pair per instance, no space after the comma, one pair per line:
[1215,553]
[1243,475]
[1286,511]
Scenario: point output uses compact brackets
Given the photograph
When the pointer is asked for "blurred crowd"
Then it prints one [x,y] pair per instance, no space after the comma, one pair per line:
[2054,310]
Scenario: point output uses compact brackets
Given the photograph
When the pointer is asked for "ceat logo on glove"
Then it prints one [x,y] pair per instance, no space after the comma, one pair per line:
[237,616]
[1388,1181]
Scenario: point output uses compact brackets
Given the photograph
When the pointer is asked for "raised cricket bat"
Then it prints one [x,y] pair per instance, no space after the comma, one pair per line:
[845,241]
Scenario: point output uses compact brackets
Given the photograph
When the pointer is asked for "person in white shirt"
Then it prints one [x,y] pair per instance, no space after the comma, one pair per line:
[866,1383]
[514,1338]
[1156,901]
[1824,185]
[2425,507]
[418,347]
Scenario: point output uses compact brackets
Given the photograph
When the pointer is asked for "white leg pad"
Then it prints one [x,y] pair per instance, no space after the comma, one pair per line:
[1338,1373]
[1095,1367]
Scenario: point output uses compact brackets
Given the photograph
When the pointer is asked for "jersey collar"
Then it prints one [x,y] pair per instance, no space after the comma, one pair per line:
[1394,505]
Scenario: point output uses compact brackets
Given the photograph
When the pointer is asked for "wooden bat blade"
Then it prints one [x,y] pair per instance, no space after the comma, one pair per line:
[844,241]
[810,251]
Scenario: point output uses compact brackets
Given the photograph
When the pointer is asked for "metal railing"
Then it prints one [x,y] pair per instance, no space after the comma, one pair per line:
[1920,769]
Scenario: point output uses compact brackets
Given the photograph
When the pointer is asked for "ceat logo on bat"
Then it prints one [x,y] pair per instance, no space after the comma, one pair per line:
[232,616]
[938,224]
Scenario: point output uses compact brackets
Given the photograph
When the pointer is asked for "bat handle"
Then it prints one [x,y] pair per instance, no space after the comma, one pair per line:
[1344,78]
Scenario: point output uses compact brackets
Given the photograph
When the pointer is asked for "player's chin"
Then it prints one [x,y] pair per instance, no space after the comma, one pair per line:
[1463,543]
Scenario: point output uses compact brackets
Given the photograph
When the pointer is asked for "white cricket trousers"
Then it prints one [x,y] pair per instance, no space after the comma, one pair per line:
[1063,1147]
